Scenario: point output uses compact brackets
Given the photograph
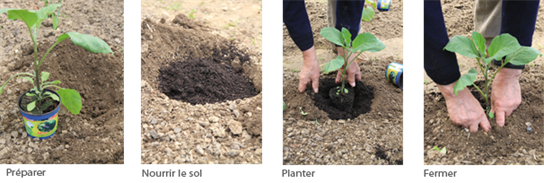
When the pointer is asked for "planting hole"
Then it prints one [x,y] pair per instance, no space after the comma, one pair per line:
[208,80]
[361,103]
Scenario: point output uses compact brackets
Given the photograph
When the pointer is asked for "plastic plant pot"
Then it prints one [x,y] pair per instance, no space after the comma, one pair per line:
[40,126]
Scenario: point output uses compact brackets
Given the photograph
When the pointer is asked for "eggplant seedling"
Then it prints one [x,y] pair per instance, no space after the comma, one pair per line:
[504,46]
[435,148]
[302,112]
[363,42]
[71,99]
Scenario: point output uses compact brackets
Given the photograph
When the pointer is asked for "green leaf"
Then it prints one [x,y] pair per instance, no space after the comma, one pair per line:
[346,90]
[56,18]
[491,115]
[302,112]
[488,60]
[284,105]
[29,17]
[52,95]
[45,76]
[503,45]
[367,42]
[71,99]
[51,83]
[5,83]
[30,94]
[31,106]
[29,79]
[523,56]
[443,151]
[347,37]
[334,64]
[368,14]
[479,40]
[465,80]
[333,35]
[434,148]
[90,43]
[6,10]
[462,45]
[32,18]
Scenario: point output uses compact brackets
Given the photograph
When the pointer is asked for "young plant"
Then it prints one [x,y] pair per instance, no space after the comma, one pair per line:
[368,12]
[70,98]
[503,46]
[363,42]
[435,148]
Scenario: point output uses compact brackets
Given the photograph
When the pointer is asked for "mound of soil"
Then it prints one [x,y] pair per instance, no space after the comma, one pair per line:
[201,81]
[184,64]
[96,134]
[361,103]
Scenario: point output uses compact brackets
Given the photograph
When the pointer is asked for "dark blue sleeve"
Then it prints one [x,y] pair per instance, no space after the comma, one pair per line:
[440,65]
[297,22]
[518,18]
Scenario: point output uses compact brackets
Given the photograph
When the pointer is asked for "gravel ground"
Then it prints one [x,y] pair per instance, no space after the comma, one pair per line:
[178,132]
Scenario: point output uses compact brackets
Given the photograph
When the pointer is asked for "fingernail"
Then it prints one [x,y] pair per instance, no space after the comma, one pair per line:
[352,84]
[315,90]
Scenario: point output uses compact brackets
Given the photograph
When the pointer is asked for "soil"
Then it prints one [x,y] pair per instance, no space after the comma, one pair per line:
[208,55]
[340,99]
[512,144]
[96,134]
[361,100]
[188,80]
[372,138]
[42,107]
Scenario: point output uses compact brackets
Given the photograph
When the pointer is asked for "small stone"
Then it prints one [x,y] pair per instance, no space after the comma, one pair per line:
[154,134]
[204,123]
[199,150]
[235,127]
[218,131]
[245,135]
[29,150]
[117,40]
[213,119]
[153,120]
[143,83]
[529,129]
[23,135]
[14,134]
[177,129]
[236,112]
[232,106]
[528,124]
[233,153]
[341,121]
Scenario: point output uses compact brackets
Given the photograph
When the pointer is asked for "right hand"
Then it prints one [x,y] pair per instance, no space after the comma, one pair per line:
[309,74]
[353,71]
[464,110]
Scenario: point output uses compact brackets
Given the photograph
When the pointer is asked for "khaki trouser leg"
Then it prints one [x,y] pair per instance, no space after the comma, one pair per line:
[487,18]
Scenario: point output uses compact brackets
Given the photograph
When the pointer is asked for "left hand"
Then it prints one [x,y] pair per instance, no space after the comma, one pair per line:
[506,94]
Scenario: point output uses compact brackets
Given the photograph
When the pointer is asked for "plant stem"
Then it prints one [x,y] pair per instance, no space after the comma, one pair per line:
[36,70]
[347,63]
[486,88]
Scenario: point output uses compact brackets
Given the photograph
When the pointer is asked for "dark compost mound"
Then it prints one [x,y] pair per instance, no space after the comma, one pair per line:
[201,80]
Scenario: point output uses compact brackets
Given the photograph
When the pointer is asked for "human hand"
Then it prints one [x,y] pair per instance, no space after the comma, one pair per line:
[506,94]
[464,110]
[309,74]
[353,71]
